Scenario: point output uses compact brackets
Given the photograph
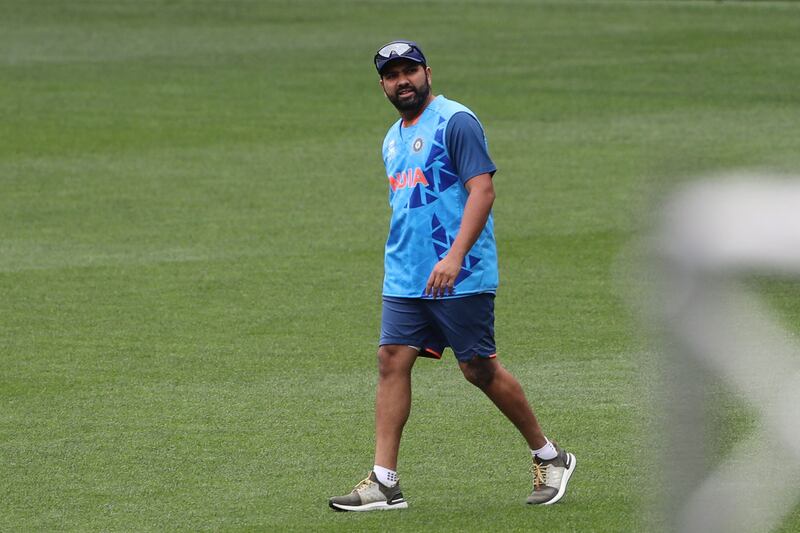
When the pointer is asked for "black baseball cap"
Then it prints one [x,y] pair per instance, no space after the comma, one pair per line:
[399,50]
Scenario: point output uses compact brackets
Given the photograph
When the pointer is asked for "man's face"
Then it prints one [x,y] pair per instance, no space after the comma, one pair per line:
[407,84]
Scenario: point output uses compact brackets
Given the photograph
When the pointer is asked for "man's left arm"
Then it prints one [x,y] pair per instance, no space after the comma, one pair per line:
[476,212]
[466,146]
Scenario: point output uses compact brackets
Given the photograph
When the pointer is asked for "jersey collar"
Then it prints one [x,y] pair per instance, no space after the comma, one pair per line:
[432,107]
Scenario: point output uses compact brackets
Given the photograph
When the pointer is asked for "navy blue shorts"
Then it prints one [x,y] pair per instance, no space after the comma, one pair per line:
[464,324]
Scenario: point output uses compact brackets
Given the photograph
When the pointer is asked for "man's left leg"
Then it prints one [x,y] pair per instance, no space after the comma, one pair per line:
[552,466]
[505,391]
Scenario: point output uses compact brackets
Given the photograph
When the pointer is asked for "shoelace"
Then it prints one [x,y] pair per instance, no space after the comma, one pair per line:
[363,485]
[539,473]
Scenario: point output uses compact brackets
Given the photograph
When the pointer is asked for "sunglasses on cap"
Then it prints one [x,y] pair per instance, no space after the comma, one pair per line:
[399,50]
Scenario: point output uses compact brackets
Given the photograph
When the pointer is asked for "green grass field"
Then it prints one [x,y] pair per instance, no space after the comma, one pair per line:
[192,217]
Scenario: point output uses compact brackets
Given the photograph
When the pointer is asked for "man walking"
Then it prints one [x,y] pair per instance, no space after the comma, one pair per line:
[440,276]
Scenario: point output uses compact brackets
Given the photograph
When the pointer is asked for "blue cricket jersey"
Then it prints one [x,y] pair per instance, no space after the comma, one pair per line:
[427,197]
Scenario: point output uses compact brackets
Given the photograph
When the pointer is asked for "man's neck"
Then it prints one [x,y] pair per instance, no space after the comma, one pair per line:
[411,117]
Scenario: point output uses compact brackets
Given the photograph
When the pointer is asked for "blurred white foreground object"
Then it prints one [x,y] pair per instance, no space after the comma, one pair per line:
[713,233]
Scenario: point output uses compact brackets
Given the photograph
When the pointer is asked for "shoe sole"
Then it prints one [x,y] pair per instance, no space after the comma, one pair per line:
[374,506]
[564,480]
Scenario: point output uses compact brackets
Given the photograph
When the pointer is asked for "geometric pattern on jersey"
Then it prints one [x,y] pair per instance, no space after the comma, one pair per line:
[427,198]
[442,242]
[436,170]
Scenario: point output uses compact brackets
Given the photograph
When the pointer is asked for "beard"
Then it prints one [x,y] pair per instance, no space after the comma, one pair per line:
[415,103]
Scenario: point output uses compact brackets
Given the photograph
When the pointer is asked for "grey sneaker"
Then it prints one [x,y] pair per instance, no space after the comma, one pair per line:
[550,477]
[370,495]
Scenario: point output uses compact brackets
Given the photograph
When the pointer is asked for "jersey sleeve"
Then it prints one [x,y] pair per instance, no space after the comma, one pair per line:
[466,146]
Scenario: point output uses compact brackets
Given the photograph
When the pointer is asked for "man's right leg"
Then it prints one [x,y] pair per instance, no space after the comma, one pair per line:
[392,407]
[392,401]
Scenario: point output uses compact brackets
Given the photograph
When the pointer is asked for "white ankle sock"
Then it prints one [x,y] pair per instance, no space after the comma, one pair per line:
[385,476]
[546,452]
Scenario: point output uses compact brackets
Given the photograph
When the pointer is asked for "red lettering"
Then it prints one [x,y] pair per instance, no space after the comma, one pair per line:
[407,178]
[419,177]
[402,182]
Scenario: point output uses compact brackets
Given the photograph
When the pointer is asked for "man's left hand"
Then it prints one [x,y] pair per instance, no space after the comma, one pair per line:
[442,280]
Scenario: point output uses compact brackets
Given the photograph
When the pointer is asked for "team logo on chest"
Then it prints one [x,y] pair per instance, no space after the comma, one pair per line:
[418,144]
